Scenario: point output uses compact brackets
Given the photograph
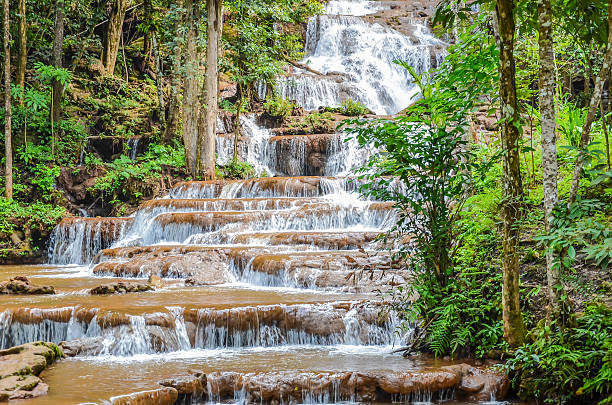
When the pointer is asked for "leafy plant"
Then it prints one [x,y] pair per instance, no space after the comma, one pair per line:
[579,228]
[278,107]
[564,365]
[353,108]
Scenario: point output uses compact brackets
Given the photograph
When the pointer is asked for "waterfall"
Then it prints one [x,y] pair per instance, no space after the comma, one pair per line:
[358,58]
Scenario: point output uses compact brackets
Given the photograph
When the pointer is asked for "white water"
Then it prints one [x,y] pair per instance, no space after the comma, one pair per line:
[358,57]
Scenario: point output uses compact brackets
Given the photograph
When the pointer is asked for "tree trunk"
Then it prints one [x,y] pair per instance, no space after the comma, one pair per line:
[208,136]
[172,117]
[8,142]
[514,330]
[550,166]
[190,91]
[159,82]
[56,60]
[595,99]
[149,34]
[22,58]
[114,30]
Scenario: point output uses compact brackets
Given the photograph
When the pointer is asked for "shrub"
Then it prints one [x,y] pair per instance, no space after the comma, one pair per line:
[563,365]
[352,108]
[278,107]
[236,170]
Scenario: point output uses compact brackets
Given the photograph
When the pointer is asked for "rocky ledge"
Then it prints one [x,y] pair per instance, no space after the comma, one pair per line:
[461,381]
[120,287]
[20,367]
[21,285]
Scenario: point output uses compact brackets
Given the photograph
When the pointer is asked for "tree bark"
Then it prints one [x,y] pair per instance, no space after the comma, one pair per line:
[594,104]
[209,135]
[148,37]
[161,108]
[22,58]
[172,118]
[8,142]
[190,91]
[550,168]
[514,329]
[114,30]
[56,60]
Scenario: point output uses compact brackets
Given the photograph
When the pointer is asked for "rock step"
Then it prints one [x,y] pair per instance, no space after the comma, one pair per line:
[304,186]
[351,270]
[340,240]
[225,204]
[96,331]
[364,371]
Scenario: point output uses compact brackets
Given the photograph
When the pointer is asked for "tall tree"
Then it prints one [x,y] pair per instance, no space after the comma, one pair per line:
[206,144]
[191,88]
[8,142]
[114,31]
[22,57]
[172,118]
[593,106]
[514,329]
[550,166]
[56,60]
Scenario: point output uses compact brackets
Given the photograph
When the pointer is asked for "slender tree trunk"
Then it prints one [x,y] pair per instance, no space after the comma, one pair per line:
[8,142]
[161,108]
[112,39]
[56,60]
[147,47]
[514,330]
[550,168]
[209,135]
[22,58]
[172,118]
[191,89]
[595,99]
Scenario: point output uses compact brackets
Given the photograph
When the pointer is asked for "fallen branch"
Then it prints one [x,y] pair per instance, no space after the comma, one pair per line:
[304,67]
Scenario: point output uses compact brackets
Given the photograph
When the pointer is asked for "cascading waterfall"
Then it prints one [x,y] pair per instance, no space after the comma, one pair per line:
[275,275]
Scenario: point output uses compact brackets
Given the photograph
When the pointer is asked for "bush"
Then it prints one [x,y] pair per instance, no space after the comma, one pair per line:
[18,217]
[128,180]
[352,108]
[568,365]
[236,170]
[278,107]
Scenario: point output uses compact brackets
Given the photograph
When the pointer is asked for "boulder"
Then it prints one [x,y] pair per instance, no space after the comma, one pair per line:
[21,285]
[161,396]
[20,367]
[120,287]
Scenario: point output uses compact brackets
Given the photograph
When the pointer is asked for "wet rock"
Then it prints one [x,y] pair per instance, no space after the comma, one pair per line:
[82,346]
[187,387]
[355,386]
[161,396]
[121,287]
[21,285]
[20,367]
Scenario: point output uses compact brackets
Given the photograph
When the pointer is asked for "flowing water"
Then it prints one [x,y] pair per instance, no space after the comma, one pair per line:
[272,279]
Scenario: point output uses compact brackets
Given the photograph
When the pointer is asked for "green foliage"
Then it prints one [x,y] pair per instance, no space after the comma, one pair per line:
[582,227]
[278,107]
[565,365]
[352,108]
[236,169]
[129,180]
[571,120]
[37,216]
[259,39]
